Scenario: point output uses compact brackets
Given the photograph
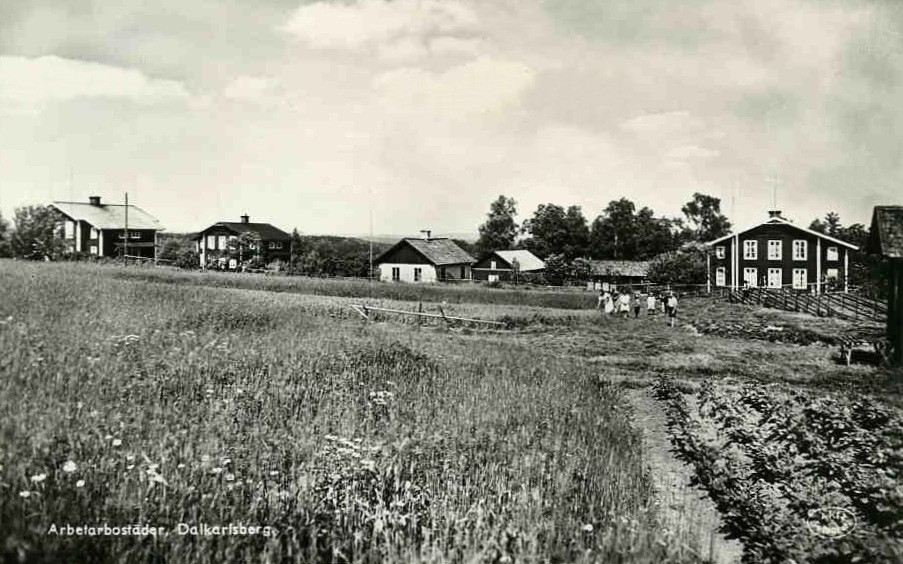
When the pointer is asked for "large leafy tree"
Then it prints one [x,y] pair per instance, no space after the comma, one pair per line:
[554,230]
[500,229]
[704,215]
[5,250]
[614,232]
[35,235]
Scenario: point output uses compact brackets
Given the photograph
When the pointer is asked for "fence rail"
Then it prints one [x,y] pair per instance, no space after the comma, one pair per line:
[839,304]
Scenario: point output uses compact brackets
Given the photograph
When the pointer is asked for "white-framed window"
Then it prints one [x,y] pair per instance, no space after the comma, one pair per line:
[719,252]
[418,274]
[222,241]
[93,249]
[832,274]
[800,279]
[69,229]
[775,277]
[211,241]
[94,233]
[751,277]
[396,274]
[720,276]
[233,264]
[833,254]
[278,244]
[493,278]
[233,239]
[800,249]
[492,264]
[750,249]
[135,235]
[775,249]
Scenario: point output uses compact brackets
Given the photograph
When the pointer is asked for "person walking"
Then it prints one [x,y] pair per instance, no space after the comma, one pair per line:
[650,304]
[635,304]
[624,305]
[609,303]
[672,309]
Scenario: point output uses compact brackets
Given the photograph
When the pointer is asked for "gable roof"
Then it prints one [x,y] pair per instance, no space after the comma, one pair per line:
[108,216]
[439,252]
[782,221]
[634,268]
[528,261]
[267,231]
[886,236]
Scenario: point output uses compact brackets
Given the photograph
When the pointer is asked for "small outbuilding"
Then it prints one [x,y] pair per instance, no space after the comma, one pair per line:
[505,266]
[886,240]
[424,260]
[610,274]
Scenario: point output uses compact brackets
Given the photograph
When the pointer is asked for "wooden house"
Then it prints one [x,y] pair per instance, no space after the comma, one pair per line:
[424,260]
[612,274]
[777,253]
[505,265]
[107,230]
[217,245]
[886,239]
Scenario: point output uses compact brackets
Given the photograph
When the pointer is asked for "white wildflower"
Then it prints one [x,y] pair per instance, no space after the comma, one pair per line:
[80,484]
[69,466]
[38,478]
[117,442]
[26,494]
[588,527]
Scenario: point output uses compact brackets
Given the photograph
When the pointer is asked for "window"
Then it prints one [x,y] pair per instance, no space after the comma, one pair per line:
[94,233]
[396,274]
[833,255]
[719,252]
[775,278]
[775,249]
[69,229]
[720,274]
[274,245]
[222,242]
[751,277]
[418,274]
[799,279]
[463,273]
[800,249]
[278,244]
[93,249]
[135,235]
[832,274]
[750,250]
[233,264]
[492,265]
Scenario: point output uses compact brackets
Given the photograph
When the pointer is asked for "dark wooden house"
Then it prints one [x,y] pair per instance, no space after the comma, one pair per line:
[217,245]
[424,260]
[504,265]
[612,274]
[107,230]
[777,253]
[886,239]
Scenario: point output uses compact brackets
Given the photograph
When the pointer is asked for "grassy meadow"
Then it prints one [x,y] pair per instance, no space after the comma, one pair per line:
[127,401]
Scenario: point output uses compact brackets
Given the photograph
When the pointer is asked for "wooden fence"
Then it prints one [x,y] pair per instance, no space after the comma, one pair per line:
[842,305]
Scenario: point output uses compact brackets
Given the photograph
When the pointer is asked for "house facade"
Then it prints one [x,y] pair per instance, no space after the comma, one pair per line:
[107,230]
[424,260]
[886,240]
[218,245]
[504,265]
[610,275]
[780,254]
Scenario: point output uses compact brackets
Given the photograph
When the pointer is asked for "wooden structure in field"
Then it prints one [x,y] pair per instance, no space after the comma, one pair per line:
[886,239]
[107,230]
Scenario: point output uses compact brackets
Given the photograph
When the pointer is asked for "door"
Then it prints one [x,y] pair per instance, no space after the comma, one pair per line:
[774,278]
[751,277]
[720,276]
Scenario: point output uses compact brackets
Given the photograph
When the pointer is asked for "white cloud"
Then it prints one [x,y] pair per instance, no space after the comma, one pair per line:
[399,30]
[691,152]
[248,88]
[27,84]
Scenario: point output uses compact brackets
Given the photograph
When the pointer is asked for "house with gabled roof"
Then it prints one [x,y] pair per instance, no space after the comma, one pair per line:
[886,240]
[107,230]
[609,275]
[503,265]
[424,260]
[217,245]
[777,253]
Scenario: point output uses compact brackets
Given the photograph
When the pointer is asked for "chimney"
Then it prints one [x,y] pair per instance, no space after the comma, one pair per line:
[428,232]
[94,200]
[246,218]
[775,213]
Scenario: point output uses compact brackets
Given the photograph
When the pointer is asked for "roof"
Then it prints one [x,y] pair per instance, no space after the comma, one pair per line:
[108,216]
[528,261]
[267,231]
[782,221]
[437,251]
[633,268]
[887,232]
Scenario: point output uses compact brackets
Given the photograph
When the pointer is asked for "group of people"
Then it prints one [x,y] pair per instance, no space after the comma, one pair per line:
[623,303]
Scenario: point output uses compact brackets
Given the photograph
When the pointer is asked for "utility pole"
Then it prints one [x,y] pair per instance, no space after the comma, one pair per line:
[370,275]
[125,236]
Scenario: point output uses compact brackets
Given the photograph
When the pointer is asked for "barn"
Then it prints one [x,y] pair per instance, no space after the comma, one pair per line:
[612,274]
[886,239]
[424,260]
[777,253]
[107,230]
[504,265]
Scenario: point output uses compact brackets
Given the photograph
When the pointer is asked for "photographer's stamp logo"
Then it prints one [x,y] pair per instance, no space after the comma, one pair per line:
[831,522]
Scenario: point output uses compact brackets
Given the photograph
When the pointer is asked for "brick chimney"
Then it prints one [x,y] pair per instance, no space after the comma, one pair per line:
[94,200]
[246,218]
[775,213]
[427,232]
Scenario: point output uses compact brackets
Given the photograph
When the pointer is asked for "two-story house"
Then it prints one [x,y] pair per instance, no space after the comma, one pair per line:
[778,253]
[107,230]
[217,244]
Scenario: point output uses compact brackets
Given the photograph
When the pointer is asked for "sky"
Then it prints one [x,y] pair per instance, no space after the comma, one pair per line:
[339,117]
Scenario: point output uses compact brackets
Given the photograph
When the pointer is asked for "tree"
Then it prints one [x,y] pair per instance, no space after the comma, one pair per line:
[35,235]
[499,230]
[704,213]
[554,230]
[5,250]
[679,267]
[246,249]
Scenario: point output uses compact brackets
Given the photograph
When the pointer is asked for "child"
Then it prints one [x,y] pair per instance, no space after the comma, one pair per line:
[624,305]
[672,308]
[650,304]
[635,304]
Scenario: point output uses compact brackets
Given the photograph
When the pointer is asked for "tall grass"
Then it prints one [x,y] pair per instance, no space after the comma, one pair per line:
[131,402]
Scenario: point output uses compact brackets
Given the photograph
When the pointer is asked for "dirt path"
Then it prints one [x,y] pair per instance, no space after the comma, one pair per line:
[685,510]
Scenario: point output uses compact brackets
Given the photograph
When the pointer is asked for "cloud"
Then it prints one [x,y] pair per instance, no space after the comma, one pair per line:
[27,84]
[398,30]
[248,88]
[691,152]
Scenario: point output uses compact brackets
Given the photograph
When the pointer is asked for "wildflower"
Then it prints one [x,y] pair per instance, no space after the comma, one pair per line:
[25,494]
[80,484]
[79,405]
[226,461]
[216,470]
[117,442]
[274,472]
[69,466]
[230,477]
[130,466]
[38,478]
[153,467]
[180,465]
[588,527]
[108,437]
[130,457]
